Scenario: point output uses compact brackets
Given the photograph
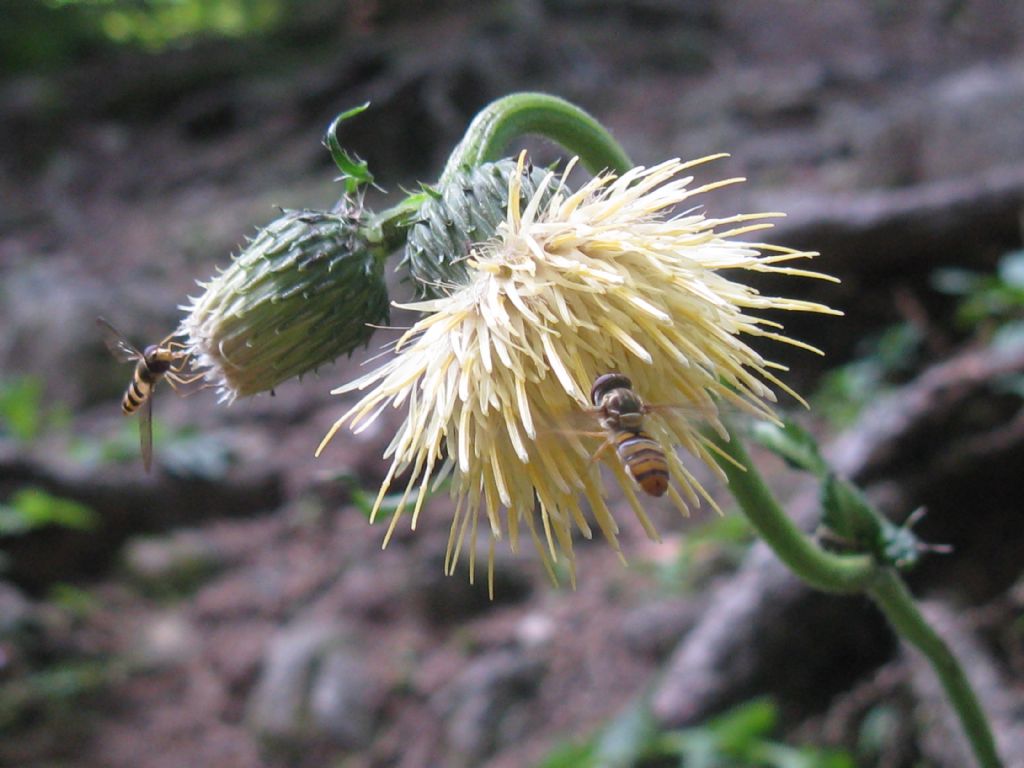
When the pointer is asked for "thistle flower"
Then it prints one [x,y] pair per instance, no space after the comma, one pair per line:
[496,374]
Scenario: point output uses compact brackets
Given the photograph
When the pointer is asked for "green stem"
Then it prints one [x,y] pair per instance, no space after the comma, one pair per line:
[388,229]
[852,573]
[892,597]
[536,113]
[486,138]
[820,569]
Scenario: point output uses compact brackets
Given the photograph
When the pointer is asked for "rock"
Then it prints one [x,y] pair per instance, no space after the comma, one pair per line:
[338,699]
[488,706]
[769,97]
[314,688]
[654,629]
[172,565]
[166,639]
[15,611]
[49,320]
[973,121]
[19,628]
[535,630]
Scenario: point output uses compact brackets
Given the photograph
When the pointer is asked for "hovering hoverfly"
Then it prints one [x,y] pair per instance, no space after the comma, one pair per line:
[157,361]
[621,411]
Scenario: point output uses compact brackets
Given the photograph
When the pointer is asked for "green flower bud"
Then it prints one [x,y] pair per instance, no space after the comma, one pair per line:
[466,211]
[303,292]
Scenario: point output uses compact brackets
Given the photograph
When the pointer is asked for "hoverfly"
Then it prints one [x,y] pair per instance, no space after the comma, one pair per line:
[621,411]
[157,361]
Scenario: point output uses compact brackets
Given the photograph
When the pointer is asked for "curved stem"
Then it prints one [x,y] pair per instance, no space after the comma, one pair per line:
[851,573]
[537,113]
[490,132]
[821,569]
[892,597]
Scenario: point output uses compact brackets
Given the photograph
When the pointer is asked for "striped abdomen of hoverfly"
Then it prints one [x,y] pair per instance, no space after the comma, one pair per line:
[645,460]
[621,411]
[152,366]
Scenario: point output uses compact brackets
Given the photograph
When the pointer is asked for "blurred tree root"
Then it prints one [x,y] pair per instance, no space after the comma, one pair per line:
[914,228]
[950,440]
[882,244]
[127,502]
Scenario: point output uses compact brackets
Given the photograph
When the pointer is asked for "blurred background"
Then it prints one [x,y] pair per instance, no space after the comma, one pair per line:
[233,608]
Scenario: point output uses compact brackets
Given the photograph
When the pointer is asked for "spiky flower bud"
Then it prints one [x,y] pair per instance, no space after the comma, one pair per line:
[463,212]
[306,290]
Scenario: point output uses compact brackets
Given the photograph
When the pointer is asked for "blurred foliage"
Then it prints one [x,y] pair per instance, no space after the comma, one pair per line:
[363,499]
[184,451]
[883,361]
[154,24]
[740,738]
[876,734]
[986,300]
[792,443]
[26,416]
[189,452]
[29,509]
[706,551]
[53,693]
[121,447]
[988,304]
[43,35]
[75,602]
[21,408]
[24,413]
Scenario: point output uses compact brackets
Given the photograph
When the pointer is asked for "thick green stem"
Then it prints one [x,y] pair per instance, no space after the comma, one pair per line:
[851,573]
[536,113]
[892,597]
[821,569]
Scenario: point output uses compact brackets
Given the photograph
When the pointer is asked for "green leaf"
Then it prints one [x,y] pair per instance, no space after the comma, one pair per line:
[792,443]
[857,525]
[848,515]
[354,172]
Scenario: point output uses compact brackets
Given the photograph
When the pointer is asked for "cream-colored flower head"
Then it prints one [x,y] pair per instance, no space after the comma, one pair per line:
[496,376]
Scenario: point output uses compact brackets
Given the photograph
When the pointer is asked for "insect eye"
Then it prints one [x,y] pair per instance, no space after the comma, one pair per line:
[605,383]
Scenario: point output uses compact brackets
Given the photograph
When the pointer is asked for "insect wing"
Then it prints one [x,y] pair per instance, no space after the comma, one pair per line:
[116,342]
[682,410]
[146,432]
